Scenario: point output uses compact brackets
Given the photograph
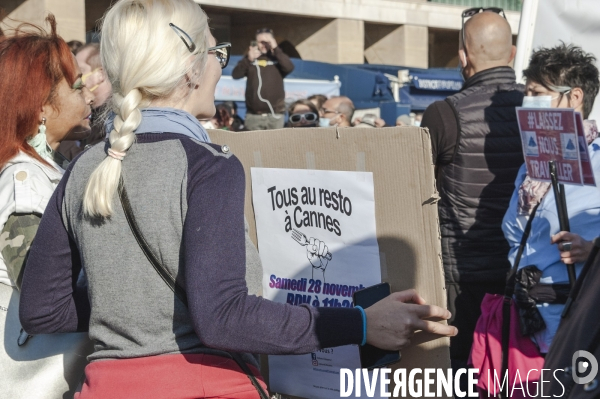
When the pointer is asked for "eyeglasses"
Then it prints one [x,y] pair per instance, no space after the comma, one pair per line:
[85,76]
[264,30]
[561,95]
[221,50]
[307,117]
[328,111]
[476,10]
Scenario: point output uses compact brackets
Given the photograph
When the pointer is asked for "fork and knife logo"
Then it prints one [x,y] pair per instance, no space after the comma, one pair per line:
[317,251]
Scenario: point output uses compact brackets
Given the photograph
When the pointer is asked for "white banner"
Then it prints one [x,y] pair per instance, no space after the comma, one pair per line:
[229,89]
[317,242]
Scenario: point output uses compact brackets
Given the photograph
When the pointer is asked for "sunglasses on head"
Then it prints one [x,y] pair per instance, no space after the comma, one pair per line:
[222,50]
[307,117]
[264,30]
[476,10]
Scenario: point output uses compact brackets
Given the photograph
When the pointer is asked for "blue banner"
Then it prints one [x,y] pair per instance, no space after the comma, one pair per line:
[229,89]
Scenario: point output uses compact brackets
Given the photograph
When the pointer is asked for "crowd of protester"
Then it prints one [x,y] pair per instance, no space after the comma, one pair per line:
[92,161]
[265,66]
[123,198]
[309,112]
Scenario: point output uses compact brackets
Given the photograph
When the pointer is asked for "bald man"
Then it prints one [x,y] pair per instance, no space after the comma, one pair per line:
[337,111]
[477,153]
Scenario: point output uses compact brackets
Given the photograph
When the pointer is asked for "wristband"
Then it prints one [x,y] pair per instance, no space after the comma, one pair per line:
[364,319]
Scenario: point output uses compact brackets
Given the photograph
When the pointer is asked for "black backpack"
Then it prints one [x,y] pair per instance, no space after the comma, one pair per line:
[579,331]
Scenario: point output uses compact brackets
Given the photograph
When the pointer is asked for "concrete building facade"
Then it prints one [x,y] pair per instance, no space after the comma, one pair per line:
[413,33]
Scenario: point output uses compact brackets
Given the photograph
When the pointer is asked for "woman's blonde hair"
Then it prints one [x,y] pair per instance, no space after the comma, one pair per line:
[145,58]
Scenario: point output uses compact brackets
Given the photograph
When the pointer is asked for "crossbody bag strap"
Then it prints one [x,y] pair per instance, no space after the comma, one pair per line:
[160,269]
[508,293]
[510,279]
[238,359]
[172,283]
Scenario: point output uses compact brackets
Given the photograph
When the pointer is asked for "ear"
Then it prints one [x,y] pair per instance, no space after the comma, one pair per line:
[462,58]
[102,75]
[513,53]
[576,98]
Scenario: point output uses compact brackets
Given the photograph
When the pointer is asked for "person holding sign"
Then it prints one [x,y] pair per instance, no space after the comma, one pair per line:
[156,217]
[562,77]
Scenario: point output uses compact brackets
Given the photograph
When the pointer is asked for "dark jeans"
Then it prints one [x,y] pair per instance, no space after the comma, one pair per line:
[464,301]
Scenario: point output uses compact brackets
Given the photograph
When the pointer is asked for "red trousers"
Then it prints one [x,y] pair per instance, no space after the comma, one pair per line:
[168,377]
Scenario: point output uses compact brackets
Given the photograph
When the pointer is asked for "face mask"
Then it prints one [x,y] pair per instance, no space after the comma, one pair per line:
[537,102]
[418,123]
[324,122]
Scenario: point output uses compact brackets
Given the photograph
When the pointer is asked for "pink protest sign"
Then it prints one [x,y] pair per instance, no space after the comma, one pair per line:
[584,155]
[550,135]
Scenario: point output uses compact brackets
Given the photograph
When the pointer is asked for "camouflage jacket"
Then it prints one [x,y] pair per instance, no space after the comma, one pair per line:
[27,186]
[15,240]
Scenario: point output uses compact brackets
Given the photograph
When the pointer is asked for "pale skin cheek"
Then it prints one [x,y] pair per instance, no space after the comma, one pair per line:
[207,100]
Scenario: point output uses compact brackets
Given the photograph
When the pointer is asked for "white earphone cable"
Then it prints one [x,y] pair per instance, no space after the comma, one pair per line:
[260,87]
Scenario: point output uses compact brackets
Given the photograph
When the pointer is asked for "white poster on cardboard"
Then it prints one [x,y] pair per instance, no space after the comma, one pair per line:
[317,242]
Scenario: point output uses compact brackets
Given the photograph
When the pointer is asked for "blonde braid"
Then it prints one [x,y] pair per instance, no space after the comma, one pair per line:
[144,60]
[103,182]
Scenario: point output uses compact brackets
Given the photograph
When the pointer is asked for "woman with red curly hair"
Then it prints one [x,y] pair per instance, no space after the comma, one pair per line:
[43,100]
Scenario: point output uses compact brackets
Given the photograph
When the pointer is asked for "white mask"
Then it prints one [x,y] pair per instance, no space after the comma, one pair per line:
[324,122]
[537,102]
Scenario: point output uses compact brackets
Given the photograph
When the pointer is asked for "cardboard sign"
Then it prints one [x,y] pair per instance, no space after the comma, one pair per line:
[584,154]
[405,205]
[550,135]
[318,245]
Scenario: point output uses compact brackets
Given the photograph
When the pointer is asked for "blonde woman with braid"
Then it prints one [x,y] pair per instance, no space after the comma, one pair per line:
[159,196]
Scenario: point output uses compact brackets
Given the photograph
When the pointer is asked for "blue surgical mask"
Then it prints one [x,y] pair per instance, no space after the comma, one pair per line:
[324,122]
[537,102]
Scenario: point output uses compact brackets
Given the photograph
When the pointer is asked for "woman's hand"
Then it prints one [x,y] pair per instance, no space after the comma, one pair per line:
[392,321]
[579,251]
